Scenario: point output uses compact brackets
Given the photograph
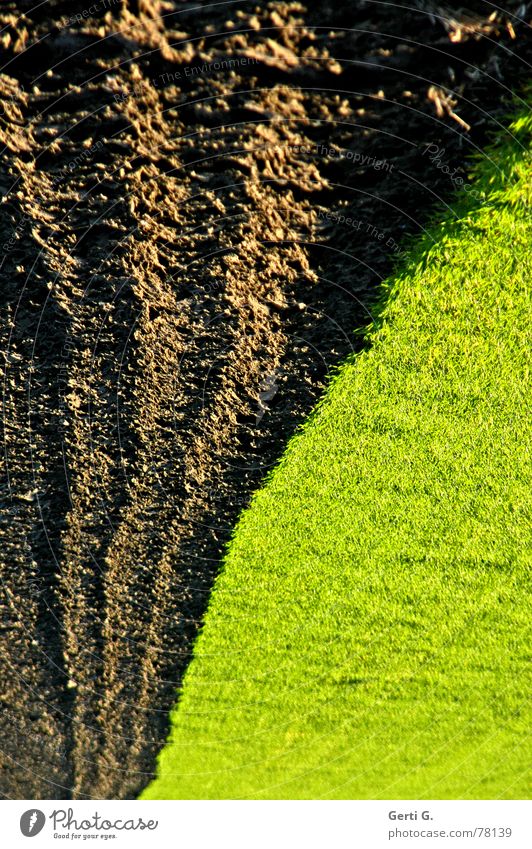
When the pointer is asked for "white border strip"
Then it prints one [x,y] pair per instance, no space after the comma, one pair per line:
[267,824]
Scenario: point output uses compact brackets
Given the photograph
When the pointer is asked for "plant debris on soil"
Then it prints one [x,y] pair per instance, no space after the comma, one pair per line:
[199,203]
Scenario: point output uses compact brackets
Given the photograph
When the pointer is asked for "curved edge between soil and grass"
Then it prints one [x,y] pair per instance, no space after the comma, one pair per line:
[367,637]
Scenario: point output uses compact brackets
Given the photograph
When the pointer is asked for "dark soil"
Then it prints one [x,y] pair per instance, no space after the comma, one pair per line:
[178,279]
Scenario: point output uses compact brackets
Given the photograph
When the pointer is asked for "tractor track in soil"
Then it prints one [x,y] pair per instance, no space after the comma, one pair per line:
[178,280]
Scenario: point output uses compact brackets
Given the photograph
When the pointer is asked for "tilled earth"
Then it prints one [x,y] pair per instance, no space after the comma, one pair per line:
[199,203]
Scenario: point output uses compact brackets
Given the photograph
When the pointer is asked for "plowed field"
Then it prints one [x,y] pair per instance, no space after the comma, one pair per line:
[199,203]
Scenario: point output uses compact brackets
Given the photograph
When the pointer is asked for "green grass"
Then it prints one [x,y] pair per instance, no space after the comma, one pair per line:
[367,637]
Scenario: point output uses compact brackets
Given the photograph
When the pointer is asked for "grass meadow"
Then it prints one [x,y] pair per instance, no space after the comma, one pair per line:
[367,635]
